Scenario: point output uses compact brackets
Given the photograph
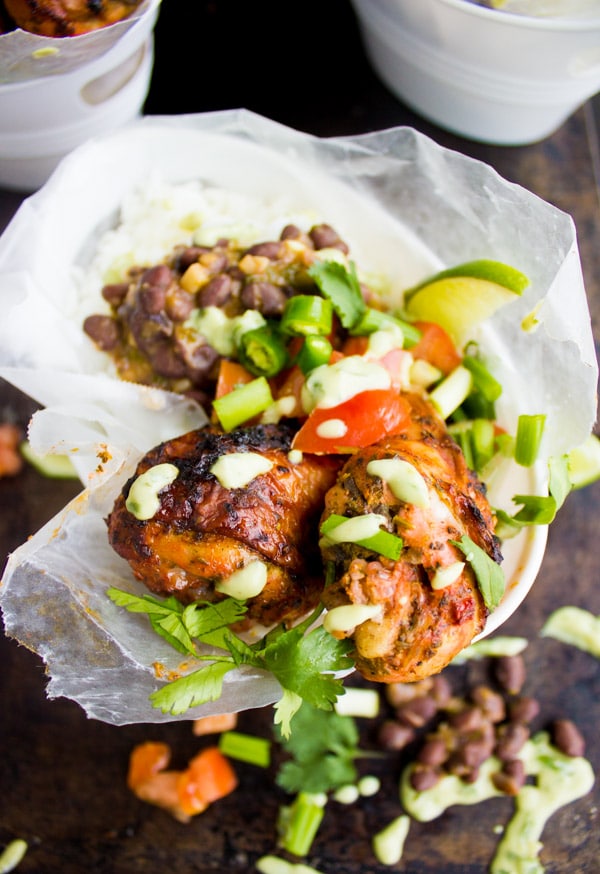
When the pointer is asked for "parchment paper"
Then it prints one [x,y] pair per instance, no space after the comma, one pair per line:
[406,207]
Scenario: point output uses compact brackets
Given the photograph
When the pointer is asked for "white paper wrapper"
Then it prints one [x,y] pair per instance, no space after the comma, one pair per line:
[25,56]
[406,207]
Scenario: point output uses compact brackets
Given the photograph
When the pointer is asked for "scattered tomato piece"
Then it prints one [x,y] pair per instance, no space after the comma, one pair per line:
[209,777]
[214,724]
[437,347]
[231,374]
[367,417]
[11,460]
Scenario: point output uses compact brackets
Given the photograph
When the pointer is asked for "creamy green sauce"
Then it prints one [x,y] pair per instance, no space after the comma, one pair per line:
[575,626]
[403,479]
[560,780]
[348,616]
[332,428]
[236,469]
[446,576]
[247,582]
[220,331]
[357,528]
[332,384]
[143,500]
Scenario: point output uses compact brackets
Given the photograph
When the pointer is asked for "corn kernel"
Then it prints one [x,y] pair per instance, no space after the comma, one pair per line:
[194,278]
[251,264]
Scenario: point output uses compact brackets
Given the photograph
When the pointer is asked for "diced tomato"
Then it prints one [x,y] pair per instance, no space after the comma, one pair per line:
[145,761]
[355,345]
[214,724]
[291,386]
[367,417]
[437,347]
[208,777]
[231,374]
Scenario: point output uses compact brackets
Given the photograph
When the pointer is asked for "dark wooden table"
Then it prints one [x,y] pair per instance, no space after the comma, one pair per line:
[62,776]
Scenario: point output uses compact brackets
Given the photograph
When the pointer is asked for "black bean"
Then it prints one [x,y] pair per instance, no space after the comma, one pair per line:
[433,752]
[188,256]
[270,250]
[179,304]
[394,736]
[417,712]
[567,738]
[511,778]
[523,709]
[265,297]
[424,777]
[103,330]
[216,292]
[510,673]
[511,738]
[291,232]
[166,362]
[325,237]
[467,719]
[490,702]
[441,691]
[115,293]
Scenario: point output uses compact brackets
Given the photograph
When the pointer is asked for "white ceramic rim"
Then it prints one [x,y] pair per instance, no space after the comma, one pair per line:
[531,21]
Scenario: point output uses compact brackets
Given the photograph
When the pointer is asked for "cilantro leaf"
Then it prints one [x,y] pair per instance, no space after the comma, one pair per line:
[322,752]
[165,616]
[205,684]
[301,663]
[210,622]
[490,578]
[286,708]
[341,286]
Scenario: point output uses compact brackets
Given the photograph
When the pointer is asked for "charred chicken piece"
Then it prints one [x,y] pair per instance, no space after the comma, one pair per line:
[420,628]
[58,18]
[203,532]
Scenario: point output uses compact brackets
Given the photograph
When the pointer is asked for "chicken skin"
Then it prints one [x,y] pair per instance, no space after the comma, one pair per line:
[204,532]
[424,620]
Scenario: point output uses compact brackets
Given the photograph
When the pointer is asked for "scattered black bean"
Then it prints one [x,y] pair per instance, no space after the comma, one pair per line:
[567,737]
[510,673]
[103,330]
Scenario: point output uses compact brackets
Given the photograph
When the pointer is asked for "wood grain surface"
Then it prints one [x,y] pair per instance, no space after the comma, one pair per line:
[62,776]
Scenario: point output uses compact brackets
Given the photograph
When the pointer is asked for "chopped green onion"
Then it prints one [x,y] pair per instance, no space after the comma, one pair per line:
[243,403]
[374,320]
[307,314]
[449,394]
[262,351]
[316,350]
[529,438]
[383,542]
[301,823]
[483,442]
[358,702]
[246,748]
[483,380]
[340,285]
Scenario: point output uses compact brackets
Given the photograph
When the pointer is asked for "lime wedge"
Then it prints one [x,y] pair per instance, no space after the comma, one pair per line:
[53,466]
[462,297]
[584,462]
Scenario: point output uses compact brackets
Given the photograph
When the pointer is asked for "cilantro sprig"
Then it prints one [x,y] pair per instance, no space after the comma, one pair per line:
[304,660]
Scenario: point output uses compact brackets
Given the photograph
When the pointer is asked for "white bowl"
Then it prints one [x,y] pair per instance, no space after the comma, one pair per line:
[487,75]
[42,119]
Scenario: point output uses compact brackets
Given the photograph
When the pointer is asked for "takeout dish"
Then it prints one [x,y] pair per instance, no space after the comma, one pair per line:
[484,73]
[57,91]
[365,185]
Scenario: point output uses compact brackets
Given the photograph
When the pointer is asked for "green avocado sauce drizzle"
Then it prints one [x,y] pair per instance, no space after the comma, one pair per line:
[559,780]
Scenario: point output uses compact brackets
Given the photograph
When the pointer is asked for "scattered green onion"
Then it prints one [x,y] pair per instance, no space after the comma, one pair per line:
[383,542]
[449,394]
[483,380]
[529,437]
[374,320]
[246,748]
[262,351]
[341,286]
[307,314]
[358,702]
[300,822]
[243,403]
[316,350]
[483,439]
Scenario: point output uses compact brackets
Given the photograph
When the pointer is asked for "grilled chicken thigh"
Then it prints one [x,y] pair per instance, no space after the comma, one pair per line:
[203,532]
[419,628]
